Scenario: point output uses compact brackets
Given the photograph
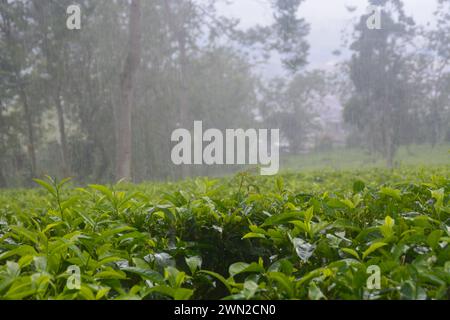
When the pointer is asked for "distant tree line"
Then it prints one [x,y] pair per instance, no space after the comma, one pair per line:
[100,103]
[400,78]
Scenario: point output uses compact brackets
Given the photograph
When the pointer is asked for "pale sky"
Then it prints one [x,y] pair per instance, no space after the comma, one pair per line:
[327,18]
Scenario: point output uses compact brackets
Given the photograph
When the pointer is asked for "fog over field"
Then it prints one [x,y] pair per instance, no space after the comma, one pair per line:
[98,92]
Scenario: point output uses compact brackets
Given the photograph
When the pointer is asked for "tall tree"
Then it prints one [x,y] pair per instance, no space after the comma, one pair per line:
[16,65]
[287,35]
[124,114]
[379,105]
[53,39]
[178,14]
[293,106]
[91,88]
[439,75]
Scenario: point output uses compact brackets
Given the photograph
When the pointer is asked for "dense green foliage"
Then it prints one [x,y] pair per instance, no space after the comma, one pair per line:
[298,236]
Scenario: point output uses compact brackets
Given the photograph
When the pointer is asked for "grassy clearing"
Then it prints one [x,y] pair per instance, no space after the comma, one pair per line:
[348,159]
[298,236]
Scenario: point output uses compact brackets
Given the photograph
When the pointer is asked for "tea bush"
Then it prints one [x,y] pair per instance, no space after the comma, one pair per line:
[296,236]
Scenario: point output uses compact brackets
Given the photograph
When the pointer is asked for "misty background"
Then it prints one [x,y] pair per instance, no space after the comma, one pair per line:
[100,104]
[328,21]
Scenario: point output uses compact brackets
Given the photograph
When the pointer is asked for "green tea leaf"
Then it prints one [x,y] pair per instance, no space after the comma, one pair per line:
[194,263]
[351,252]
[373,248]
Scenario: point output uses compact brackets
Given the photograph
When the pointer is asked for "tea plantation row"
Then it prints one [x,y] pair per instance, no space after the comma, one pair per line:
[321,235]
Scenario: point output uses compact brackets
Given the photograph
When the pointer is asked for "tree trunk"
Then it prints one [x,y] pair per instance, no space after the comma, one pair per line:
[62,135]
[390,149]
[30,132]
[124,130]
[101,171]
[184,103]
[3,183]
